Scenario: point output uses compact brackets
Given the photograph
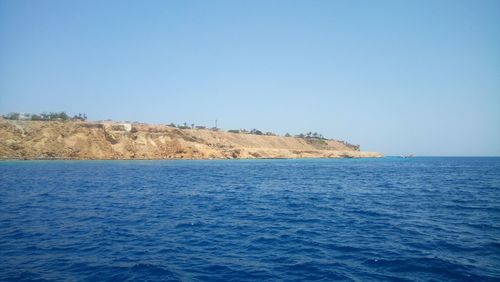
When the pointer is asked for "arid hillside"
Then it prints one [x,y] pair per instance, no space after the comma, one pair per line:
[112,140]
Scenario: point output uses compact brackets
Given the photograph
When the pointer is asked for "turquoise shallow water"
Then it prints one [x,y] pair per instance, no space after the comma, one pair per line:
[395,219]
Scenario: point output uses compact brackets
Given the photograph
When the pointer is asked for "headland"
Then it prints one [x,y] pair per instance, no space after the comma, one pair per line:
[78,139]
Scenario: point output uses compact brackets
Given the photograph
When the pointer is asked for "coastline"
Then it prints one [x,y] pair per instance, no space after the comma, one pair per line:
[81,140]
[181,159]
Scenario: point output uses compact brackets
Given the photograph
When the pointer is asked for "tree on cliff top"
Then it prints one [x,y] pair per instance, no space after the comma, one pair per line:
[256,132]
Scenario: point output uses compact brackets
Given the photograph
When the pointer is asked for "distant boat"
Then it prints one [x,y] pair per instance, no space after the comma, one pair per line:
[408,156]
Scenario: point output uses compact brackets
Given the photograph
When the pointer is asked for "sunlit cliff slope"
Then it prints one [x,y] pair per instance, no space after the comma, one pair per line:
[111,140]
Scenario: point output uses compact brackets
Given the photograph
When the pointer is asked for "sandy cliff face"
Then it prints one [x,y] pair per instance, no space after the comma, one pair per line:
[88,140]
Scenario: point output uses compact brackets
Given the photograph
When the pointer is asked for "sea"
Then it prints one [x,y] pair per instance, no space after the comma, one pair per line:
[386,219]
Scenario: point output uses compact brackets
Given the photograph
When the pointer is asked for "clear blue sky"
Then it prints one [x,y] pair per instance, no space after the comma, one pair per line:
[398,77]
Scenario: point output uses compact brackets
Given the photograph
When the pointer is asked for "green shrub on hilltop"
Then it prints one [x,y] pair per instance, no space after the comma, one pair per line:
[256,132]
[11,116]
[45,116]
[36,117]
[80,116]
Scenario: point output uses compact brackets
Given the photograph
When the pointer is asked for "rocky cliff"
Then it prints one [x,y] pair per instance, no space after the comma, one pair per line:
[111,140]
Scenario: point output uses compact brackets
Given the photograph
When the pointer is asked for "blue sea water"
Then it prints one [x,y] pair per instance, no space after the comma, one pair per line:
[391,219]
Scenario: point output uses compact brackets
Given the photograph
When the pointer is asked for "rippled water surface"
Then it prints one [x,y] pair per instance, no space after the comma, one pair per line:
[365,219]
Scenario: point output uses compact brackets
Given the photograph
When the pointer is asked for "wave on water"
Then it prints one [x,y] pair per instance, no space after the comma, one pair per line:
[414,219]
